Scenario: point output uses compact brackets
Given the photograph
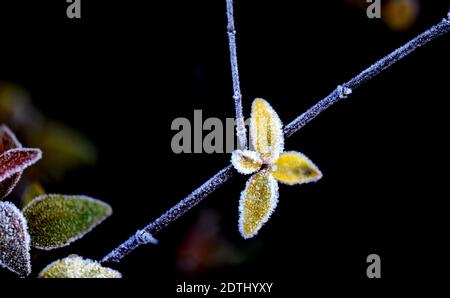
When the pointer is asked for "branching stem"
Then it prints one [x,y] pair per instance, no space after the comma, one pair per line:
[241,131]
[342,91]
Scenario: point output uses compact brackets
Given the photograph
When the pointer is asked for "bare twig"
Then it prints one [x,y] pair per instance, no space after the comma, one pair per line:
[225,174]
[171,215]
[344,90]
[241,131]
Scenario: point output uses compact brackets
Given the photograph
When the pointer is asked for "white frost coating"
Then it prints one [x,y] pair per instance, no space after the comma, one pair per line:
[273,184]
[77,267]
[241,130]
[172,214]
[278,148]
[20,168]
[14,240]
[5,130]
[344,92]
[8,140]
[242,160]
[145,237]
[311,164]
[79,235]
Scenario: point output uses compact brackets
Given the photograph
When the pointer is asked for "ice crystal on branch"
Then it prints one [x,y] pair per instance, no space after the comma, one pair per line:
[14,240]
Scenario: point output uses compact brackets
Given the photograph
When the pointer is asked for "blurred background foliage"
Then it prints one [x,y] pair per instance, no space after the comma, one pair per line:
[205,247]
[64,147]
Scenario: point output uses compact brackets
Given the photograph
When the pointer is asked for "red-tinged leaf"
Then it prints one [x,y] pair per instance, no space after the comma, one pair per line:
[16,160]
[7,185]
[8,139]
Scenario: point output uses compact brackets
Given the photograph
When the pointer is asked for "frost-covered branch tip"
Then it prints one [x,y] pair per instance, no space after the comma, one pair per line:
[342,91]
[241,131]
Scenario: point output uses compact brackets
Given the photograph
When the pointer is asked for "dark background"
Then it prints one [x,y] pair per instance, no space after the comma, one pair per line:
[124,71]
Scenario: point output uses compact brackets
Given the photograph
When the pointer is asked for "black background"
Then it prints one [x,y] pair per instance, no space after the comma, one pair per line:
[124,71]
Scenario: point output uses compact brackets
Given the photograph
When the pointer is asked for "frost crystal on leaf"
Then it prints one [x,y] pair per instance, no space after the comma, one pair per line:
[246,161]
[266,131]
[76,267]
[260,196]
[8,141]
[57,220]
[258,201]
[295,168]
[14,240]
[7,185]
[16,160]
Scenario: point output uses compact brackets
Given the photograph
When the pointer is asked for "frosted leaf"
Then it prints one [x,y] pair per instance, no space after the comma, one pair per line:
[246,161]
[258,201]
[7,185]
[8,141]
[57,220]
[16,160]
[14,240]
[295,168]
[76,267]
[266,131]
[12,164]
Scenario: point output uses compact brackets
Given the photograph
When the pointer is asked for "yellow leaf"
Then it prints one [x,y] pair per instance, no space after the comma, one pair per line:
[257,203]
[74,266]
[295,168]
[266,131]
[246,161]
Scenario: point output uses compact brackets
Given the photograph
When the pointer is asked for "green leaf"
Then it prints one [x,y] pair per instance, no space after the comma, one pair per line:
[14,240]
[57,220]
[76,267]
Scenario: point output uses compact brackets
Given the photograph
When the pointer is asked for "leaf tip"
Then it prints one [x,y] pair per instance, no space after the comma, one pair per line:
[257,203]
[75,266]
[14,240]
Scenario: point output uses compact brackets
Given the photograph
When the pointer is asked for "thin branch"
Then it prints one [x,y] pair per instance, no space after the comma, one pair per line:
[171,215]
[225,174]
[241,131]
[346,89]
